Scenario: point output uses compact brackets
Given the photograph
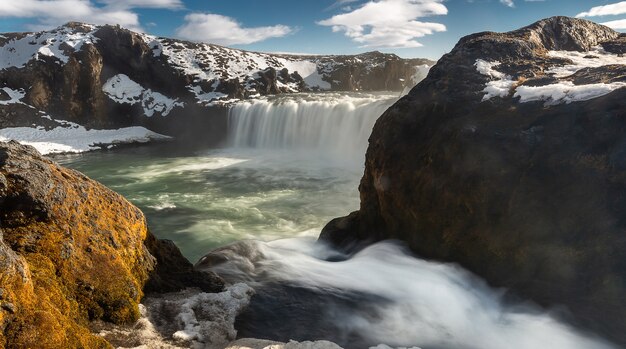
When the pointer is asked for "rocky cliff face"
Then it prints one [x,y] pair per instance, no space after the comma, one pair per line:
[72,251]
[109,77]
[510,159]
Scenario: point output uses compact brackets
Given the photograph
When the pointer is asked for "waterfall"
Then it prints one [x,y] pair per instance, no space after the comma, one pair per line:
[329,123]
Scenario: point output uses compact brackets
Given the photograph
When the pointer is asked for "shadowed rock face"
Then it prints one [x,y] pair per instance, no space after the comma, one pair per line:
[72,251]
[62,73]
[528,195]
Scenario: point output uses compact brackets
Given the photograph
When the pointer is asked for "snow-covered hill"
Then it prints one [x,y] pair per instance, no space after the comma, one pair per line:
[107,77]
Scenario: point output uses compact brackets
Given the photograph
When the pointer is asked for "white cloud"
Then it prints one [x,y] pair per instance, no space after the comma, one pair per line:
[389,23]
[51,13]
[340,3]
[127,4]
[218,29]
[508,3]
[605,10]
[617,25]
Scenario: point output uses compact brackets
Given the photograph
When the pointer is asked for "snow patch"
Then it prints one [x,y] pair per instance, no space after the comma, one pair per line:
[73,138]
[565,92]
[502,83]
[14,95]
[597,57]
[121,89]
[18,52]
[560,92]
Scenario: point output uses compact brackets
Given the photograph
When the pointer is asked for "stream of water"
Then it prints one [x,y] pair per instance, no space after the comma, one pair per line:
[290,165]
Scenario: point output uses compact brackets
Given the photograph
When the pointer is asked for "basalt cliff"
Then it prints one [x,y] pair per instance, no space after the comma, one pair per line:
[73,252]
[107,77]
[510,159]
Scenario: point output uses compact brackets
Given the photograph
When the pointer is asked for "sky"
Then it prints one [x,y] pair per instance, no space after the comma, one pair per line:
[408,28]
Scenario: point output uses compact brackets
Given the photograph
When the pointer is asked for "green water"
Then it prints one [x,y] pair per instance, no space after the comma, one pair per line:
[208,198]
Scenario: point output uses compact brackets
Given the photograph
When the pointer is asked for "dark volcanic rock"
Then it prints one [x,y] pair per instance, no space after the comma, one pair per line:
[72,251]
[530,196]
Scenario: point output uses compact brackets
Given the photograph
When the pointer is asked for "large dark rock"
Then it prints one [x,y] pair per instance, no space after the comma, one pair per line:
[73,251]
[531,196]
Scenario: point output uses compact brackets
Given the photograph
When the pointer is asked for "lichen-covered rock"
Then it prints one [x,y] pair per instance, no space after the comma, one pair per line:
[71,251]
[509,160]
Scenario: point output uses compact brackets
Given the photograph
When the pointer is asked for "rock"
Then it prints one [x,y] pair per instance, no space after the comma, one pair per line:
[528,194]
[73,251]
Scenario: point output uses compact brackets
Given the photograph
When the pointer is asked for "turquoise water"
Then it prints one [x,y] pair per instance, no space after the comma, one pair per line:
[209,198]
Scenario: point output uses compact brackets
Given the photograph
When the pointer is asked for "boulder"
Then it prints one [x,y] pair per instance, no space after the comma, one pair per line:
[510,161]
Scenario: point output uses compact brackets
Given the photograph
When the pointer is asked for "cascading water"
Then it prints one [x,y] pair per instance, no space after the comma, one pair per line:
[277,179]
[330,123]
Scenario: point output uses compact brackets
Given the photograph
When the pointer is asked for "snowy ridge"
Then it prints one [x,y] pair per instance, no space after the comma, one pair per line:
[563,91]
[214,64]
[123,90]
[17,52]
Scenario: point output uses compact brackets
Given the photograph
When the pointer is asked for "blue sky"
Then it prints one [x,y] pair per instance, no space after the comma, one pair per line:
[409,28]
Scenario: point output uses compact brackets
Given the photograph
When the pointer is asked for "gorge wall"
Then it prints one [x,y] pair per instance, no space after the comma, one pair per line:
[109,77]
[509,159]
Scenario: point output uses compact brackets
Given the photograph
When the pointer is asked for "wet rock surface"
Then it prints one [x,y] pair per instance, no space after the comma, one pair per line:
[527,194]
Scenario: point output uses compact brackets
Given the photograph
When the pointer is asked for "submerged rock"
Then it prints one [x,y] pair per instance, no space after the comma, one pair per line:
[509,160]
[73,251]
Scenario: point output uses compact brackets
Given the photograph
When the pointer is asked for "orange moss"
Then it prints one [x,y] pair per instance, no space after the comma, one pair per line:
[86,261]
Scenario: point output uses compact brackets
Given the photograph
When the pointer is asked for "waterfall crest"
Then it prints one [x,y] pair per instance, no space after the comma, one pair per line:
[330,123]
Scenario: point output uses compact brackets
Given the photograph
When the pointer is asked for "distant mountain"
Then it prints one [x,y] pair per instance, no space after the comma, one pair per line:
[109,77]
[510,159]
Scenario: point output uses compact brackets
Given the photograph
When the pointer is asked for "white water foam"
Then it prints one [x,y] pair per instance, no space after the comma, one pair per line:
[429,305]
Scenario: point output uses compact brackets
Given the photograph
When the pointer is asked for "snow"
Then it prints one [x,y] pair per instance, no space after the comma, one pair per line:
[18,52]
[596,57]
[15,95]
[563,91]
[501,86]
[73,138]
[123,90]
